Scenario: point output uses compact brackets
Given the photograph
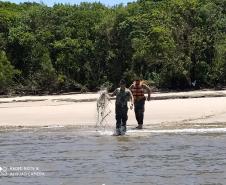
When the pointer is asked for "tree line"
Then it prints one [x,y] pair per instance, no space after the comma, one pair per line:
[172,44]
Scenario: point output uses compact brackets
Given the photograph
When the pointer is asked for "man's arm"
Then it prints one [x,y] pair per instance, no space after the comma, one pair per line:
[148,89]
[114,93]
[131,100]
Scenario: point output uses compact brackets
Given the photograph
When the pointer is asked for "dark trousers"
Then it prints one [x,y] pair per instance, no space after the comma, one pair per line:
[121,115]
[139,111]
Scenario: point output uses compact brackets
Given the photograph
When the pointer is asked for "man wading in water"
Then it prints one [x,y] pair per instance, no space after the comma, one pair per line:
[123,95]
[138,88]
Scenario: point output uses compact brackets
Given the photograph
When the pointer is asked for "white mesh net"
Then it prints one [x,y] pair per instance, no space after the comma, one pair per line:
[103,110]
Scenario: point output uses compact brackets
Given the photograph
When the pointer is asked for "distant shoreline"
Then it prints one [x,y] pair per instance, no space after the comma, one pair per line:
[92,96]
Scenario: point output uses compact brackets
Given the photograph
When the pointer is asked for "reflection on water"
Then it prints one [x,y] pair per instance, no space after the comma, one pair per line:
[70,156]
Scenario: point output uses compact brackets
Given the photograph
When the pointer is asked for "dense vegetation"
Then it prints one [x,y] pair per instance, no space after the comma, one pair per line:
[170,43]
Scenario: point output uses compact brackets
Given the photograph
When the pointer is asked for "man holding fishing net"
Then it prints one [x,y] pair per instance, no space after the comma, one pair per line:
[123,95]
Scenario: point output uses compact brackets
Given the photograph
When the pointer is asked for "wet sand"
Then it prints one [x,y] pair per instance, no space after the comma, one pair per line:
[178,110]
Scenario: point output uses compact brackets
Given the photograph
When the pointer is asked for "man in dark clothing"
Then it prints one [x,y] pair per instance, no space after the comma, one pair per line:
[138,88]
[123,95]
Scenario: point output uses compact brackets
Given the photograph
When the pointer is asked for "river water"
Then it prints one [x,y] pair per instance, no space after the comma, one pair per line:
[73,156]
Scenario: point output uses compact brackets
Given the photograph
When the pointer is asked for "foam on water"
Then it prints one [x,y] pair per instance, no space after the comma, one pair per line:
[187,130]
[106,132]
[54,126]
[149,131]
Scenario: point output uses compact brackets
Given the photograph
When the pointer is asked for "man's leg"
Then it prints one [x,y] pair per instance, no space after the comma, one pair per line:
[124,119]
[141,117]
[118,117]
[139,111]
[136,110]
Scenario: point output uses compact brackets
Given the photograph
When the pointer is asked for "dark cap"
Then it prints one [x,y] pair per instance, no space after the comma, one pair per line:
[122,82]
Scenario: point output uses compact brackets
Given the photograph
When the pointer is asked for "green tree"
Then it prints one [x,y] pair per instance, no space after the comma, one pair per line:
[7,73]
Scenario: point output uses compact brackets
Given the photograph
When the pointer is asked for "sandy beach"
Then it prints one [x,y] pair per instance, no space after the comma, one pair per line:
[197,109]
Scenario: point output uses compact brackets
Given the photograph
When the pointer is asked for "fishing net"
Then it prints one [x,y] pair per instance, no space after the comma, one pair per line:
[103,110]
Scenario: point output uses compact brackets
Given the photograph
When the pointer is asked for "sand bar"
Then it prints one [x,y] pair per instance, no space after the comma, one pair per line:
[195,109]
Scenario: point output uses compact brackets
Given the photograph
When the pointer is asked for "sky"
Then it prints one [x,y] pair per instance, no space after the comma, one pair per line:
[52,2]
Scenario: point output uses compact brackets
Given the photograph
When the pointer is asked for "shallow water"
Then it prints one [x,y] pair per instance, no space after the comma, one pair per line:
[71,156]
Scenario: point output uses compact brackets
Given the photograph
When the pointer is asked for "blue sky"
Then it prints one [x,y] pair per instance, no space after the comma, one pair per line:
[51,2]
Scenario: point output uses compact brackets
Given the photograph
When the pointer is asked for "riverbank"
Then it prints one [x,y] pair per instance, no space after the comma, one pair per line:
[166,110]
